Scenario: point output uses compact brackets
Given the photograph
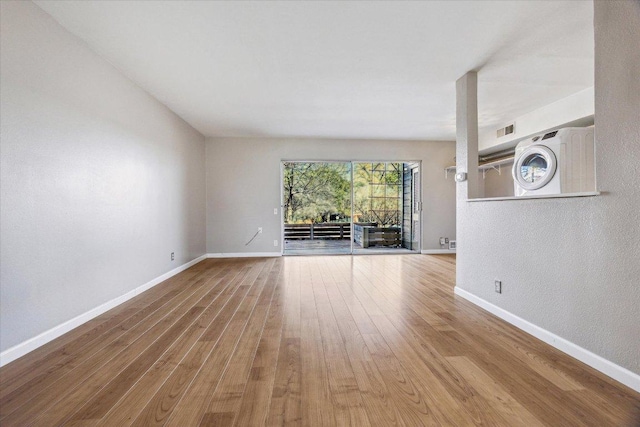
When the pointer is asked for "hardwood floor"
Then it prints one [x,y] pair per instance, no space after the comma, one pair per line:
[335,340]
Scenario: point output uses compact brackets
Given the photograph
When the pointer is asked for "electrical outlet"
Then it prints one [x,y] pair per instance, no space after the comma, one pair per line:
[446,240]
[498,285]
[259,230]
[442,240]
[173,256]
[275,243]
[275,211]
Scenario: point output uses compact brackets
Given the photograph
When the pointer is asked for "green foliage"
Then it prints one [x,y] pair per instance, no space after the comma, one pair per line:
[315,191]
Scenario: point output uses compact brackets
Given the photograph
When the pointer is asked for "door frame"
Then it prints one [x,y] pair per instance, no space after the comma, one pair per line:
[352,161]
[416,204]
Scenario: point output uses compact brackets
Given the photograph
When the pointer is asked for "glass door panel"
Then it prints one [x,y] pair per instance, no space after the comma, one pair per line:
[316,207]
[378,206]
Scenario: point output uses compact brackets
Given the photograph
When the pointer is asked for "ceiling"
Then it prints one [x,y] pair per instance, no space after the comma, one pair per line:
[383,70]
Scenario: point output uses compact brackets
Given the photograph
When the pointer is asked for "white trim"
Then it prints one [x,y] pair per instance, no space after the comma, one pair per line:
[617,372]
[31,344]
[244,255]
[538,196]
[437,251]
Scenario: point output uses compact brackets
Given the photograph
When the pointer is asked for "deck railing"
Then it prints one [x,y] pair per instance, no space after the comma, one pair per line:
[319,231]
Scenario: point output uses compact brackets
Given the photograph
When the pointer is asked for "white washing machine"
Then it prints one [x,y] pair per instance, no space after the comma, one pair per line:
[561,161]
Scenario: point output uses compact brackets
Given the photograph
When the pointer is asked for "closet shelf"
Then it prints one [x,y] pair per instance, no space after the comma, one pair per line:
[495,165]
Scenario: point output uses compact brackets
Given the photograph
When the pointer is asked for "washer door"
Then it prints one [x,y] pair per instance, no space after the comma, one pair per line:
[535,167]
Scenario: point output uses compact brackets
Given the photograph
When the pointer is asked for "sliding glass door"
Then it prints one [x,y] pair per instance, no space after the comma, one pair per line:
[350,207]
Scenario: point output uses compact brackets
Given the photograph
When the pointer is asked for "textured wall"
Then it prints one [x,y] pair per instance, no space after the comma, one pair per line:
[467,135]
[243,185]
[99,181]
[572,266]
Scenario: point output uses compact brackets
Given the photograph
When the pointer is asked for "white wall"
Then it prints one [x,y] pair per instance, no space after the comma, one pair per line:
[243,185]
[572,266]
[99,181]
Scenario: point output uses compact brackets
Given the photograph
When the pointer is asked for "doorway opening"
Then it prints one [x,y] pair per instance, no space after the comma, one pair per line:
[350,207]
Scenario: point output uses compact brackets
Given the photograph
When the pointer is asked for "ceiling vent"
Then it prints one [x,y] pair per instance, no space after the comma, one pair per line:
[507,130]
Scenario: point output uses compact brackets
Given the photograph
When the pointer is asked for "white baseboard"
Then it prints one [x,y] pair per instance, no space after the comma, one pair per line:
[618,373]
[31,344]
[244,255]
[437,251]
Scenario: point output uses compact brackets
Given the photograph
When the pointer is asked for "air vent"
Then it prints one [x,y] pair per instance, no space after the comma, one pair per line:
[507,130]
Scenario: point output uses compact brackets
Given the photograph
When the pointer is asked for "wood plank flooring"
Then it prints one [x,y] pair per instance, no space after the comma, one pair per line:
[313,341]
